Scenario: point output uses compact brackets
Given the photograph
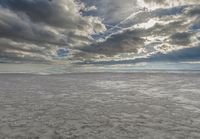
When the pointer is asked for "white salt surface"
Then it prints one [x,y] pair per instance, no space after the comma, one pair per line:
[100,106]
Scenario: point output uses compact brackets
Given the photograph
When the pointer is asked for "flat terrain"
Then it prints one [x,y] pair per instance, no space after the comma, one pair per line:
[100,106]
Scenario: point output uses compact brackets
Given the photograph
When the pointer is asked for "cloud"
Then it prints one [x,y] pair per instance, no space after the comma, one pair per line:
[186,54]
[183,38]
[45,23]
[166,3]
[12,52]
[93,30]
[183,55]
[59,13]
[125,42]
[163,30]
[194,11]
[14,27]
[112,11]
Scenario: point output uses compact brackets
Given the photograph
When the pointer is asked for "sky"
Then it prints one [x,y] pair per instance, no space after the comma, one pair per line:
[100,32]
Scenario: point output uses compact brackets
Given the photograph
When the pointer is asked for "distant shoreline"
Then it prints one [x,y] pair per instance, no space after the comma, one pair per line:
[108,72]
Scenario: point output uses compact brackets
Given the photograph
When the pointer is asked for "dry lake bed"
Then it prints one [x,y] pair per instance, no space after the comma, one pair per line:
[100,106]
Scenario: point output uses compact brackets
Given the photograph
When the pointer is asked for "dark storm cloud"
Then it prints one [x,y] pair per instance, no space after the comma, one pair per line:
[49,12]
[183,38]
[126,42]
[14,27]
[12,51]
[183,55]
[45,23]
[195,11]
[187,54]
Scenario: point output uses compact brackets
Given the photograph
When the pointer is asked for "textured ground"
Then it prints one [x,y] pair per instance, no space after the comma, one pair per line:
[100,106]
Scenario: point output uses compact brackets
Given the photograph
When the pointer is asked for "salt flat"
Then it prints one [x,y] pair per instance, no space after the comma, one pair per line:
[100,106]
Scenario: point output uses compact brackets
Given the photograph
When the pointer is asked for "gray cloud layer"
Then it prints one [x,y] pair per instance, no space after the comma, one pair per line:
[35,30]
[44,24]
[162,30]
[183,55]
[125,42]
